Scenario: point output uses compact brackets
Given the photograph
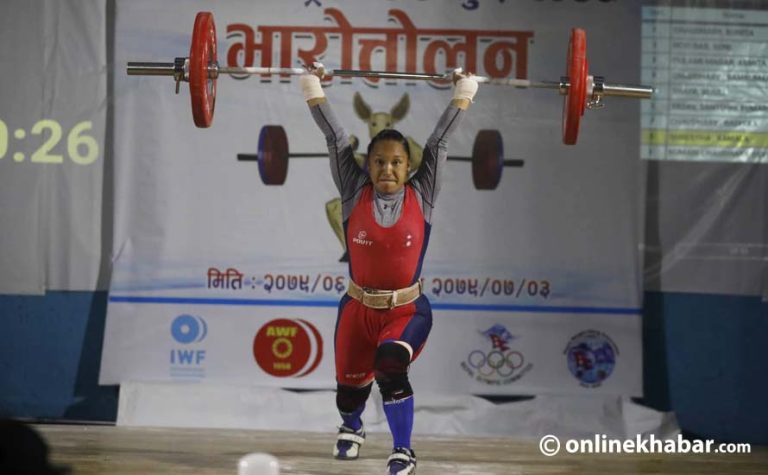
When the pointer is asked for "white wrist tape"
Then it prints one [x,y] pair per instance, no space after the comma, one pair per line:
[310,86]
[465,88]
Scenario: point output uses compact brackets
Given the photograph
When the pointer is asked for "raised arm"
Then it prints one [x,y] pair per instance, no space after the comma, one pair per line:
[345,172]
[428,179]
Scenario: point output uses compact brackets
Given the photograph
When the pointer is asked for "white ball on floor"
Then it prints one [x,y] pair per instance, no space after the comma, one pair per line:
[258,464]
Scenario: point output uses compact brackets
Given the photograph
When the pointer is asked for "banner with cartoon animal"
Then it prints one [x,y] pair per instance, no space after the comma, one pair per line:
[534,285]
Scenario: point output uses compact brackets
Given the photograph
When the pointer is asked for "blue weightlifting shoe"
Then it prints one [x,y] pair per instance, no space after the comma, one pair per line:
[348,443]
[401,462]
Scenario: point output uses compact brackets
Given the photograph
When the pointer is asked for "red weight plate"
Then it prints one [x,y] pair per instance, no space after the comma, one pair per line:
[487,159]
[202,54]
[575,101]
[273,155]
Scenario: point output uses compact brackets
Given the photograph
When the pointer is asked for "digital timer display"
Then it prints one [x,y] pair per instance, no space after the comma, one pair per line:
[81,148]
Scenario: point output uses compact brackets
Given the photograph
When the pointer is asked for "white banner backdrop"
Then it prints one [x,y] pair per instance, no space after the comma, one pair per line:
[535,285]
[53,109]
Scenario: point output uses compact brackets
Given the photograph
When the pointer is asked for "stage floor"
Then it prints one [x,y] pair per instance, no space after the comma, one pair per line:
[110,450]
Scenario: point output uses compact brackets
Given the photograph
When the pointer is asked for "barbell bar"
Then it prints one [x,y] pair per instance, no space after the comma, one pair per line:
[273,155]
[201,69]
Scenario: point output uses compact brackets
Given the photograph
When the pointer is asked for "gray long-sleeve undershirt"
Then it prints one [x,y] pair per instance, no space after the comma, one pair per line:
[350,179]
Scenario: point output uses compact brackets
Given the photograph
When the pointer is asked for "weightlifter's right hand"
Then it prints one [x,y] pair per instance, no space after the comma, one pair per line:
[310,83]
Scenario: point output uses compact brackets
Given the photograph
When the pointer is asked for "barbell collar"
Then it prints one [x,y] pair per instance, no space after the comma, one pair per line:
[180,71]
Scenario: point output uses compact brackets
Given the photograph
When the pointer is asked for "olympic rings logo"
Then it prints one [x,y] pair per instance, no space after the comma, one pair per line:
[502,364]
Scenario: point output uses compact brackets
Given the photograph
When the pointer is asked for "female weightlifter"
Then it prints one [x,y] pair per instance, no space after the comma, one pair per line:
[383,319]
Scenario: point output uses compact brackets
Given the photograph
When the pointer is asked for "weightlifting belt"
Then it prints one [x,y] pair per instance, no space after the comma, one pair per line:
[384,299]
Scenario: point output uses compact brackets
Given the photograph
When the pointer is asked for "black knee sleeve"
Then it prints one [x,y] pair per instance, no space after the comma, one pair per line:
[349,398]
[391,371]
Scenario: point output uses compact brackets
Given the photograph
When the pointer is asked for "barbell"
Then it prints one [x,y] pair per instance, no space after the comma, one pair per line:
[273,155]
[201,69]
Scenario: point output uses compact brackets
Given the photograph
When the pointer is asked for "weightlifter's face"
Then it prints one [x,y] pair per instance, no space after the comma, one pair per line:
[388,166]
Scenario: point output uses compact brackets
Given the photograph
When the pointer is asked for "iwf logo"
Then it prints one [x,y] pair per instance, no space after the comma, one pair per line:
[500,364]
[187,361]
[188,329]
[285,348]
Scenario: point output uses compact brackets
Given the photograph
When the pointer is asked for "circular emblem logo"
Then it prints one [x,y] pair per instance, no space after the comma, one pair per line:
[284,347]
[188,329]
[591,357]
[497,363]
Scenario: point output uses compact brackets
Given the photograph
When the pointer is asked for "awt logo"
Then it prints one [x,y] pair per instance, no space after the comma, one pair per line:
[284,347]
